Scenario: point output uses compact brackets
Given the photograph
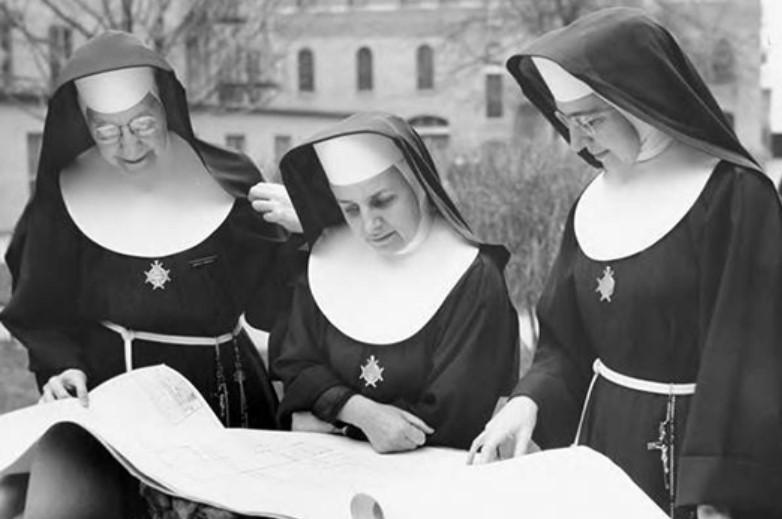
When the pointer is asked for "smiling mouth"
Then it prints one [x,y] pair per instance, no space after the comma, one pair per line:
[135,161]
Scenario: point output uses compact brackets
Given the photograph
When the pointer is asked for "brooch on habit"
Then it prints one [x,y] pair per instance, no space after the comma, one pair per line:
[157,276]
[606,284]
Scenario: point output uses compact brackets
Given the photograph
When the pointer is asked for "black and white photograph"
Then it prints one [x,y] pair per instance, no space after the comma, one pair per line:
[390,259]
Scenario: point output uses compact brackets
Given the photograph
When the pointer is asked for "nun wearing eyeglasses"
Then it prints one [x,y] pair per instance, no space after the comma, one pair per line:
[401,332]
[661,337]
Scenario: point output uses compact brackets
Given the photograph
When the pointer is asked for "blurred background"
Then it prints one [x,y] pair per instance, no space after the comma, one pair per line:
[262,75]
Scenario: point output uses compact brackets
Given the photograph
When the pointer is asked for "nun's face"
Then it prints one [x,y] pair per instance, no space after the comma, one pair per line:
[383,210]
[132,139]
[602,130]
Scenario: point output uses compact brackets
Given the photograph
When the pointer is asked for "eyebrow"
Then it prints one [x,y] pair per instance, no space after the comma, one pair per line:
[371,197]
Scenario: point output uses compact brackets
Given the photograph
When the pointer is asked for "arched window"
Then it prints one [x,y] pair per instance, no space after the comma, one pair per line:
[306,71]
[364,68]
[424,59]
[723,62]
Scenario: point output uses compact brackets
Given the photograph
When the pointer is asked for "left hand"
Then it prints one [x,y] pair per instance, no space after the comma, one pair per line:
[273,202]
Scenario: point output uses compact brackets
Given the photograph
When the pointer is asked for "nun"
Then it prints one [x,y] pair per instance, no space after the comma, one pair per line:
[661,335]
[401,330]
[140,246]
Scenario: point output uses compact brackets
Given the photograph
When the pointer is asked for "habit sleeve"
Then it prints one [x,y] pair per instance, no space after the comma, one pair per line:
[732,451]
[42,260]
[475,358]
[562,368]
[301,363]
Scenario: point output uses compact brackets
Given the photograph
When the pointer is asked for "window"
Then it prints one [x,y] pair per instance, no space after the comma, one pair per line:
[236,141]
[282,143]
[194,60]
[425,67]
[723,62]
[493,95]
[6,53]
[60,48]
[306,71]
[364,68]
[253,66]
[33,153]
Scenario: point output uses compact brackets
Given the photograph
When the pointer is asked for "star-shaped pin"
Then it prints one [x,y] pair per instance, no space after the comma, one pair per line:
[606,284]
[157,276]
[371,372]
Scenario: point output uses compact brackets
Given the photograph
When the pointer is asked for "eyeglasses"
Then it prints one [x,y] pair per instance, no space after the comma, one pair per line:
[142,126]
[588,123]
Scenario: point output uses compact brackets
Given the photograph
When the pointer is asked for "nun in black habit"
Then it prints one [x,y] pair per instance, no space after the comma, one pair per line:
[402,331]
[661,337]
[140,246]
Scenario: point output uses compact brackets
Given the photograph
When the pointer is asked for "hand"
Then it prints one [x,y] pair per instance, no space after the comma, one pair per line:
[305,421]
[509,431]
[713,512]
[65,385]
[388,428]
[273,202]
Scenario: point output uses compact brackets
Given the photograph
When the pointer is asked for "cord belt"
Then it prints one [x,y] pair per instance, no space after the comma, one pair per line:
[128,336]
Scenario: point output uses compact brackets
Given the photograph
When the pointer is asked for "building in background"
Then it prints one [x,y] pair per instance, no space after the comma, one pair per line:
[263,75]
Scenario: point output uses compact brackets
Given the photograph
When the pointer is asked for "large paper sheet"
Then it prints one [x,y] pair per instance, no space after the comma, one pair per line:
[157,425]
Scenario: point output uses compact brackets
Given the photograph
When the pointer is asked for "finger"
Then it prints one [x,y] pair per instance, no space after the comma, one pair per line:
[522,442]
[273,216]
[476,445]
[417,422]
[268,190]
[263,206]
[81,392]
[57,388]
[46,395]
[415,435]
[488,452]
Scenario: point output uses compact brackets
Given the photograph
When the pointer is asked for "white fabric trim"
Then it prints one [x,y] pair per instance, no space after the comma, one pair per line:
[116,90]
[563,85]
[612,222]
[180,206]
[383,299]
[128,336]
[350,159]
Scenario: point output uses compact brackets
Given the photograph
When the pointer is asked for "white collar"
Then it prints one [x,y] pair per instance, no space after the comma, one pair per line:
[384,299]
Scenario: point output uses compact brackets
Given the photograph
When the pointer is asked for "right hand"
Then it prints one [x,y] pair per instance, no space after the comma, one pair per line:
[511,427]
[388,428]
[69,383]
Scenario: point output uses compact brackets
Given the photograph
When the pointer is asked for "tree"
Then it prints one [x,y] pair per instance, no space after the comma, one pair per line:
[225,49]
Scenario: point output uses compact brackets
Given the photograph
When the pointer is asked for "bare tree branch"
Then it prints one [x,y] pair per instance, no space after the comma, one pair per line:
[70,20]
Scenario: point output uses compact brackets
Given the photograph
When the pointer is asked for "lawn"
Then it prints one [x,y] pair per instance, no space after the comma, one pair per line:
[17,386]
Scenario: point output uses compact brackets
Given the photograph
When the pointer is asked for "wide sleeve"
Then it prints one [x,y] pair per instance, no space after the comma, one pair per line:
[43,260]
[732,449]
[475,357]
[300,362]
[562,368]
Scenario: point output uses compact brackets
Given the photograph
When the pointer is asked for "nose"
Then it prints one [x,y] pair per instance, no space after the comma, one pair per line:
[129,142]
[577,138]
[372,223]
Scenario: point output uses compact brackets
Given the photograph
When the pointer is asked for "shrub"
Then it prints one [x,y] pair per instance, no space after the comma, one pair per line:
[520,196]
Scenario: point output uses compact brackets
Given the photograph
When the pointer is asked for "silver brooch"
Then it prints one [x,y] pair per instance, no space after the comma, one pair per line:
[371,372]
[157,276]
[606,284]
